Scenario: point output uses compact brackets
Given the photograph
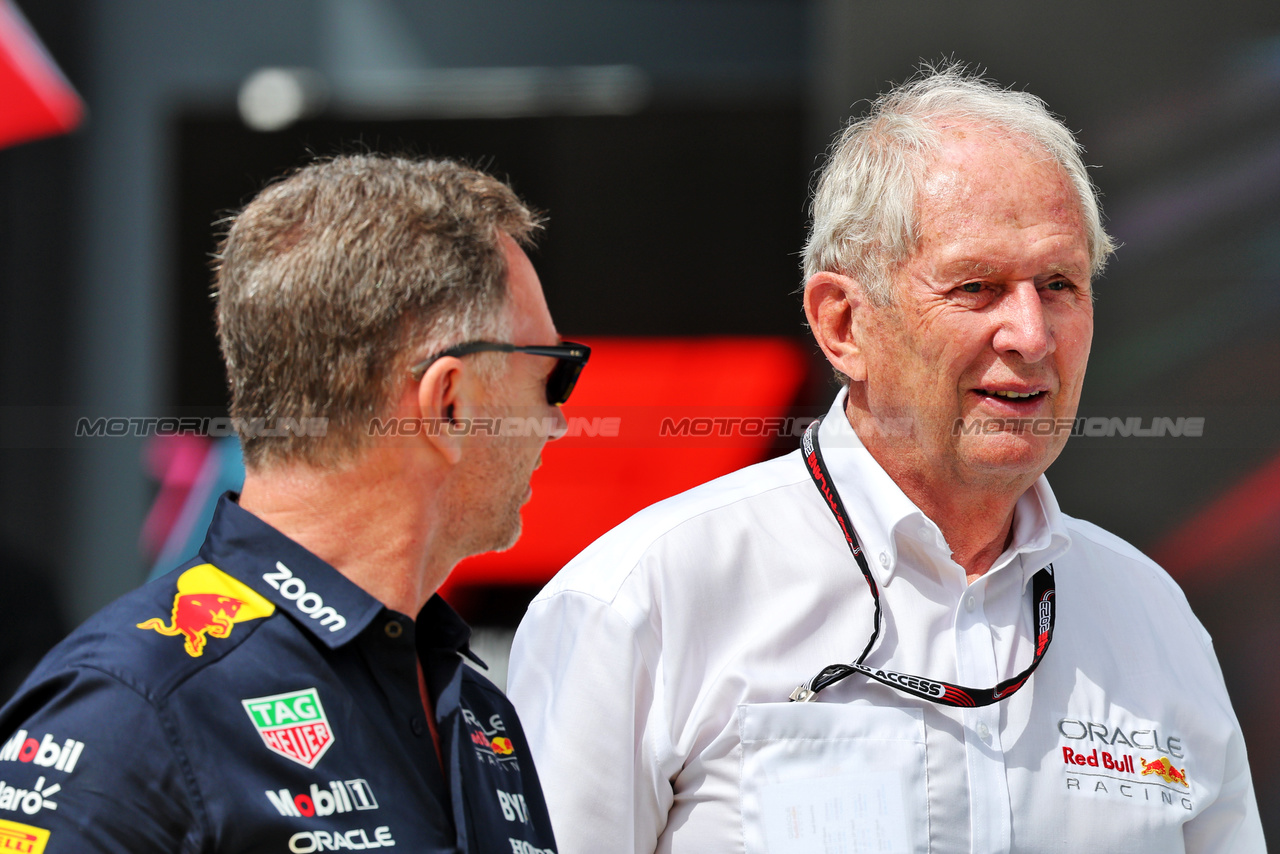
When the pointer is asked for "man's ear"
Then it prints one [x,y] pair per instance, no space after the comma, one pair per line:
[834,305]
[439,399]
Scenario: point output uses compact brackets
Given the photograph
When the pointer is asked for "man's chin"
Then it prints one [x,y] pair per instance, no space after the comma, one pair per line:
[1010,453]
[512,536]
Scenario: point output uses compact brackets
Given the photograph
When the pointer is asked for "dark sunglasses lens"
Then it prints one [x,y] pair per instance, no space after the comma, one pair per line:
[562,380]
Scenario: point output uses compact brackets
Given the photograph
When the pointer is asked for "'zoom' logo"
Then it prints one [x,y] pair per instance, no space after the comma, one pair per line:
[295,589]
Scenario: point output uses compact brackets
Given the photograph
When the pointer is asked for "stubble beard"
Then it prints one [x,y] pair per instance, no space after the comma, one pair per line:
[490,518]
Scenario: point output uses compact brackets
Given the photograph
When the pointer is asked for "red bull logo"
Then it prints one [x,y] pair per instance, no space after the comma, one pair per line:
[491,744]
[209,603]
[22,837]
[500,745]
[1164,769]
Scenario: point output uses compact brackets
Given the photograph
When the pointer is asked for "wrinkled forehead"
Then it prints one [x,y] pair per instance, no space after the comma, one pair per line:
[998,177]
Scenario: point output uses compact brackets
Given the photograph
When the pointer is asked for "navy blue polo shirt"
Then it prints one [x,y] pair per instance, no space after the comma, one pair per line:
[255,700]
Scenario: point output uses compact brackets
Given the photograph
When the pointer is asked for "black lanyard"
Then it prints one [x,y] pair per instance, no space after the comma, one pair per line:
[933,690]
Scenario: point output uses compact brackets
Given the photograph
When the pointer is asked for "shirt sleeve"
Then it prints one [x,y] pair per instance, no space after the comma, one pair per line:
[587,697]
[87,766]
[1231,825]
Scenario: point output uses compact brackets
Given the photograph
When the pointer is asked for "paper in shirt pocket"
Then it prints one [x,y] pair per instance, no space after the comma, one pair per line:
[833,777]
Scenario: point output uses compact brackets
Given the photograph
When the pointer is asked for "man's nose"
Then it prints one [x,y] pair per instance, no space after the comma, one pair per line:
[1023,327]
[560,426]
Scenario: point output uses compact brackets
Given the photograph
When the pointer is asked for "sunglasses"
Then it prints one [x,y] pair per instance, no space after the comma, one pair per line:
[570,359]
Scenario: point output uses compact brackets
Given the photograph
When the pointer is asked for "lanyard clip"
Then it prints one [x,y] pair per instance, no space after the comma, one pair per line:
[802,694]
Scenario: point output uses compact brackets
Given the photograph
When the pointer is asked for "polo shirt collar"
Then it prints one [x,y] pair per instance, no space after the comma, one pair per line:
[315,595]
[883,515]
[440,627]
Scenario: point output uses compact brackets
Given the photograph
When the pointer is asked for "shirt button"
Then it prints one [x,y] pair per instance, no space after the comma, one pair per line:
[984,732]
[970,603]
[884,559]
[393,629]
[418,725]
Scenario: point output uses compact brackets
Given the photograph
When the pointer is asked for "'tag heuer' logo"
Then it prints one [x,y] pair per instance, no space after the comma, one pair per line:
[209,603]
[1164,769]
[293,724]
[22,837]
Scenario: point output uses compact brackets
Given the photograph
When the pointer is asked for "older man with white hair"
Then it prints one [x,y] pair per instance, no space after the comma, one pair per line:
[893,639]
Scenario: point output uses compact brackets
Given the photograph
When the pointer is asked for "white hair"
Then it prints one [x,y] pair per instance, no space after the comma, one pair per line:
[864,207]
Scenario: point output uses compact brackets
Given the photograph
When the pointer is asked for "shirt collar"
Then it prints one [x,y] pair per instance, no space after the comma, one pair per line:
[883,515]
[315,595]
[440,627]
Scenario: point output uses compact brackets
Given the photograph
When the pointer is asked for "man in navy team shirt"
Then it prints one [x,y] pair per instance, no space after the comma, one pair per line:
[298,686]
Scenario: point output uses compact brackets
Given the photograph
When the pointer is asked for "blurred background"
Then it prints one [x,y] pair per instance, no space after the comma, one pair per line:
[672,143]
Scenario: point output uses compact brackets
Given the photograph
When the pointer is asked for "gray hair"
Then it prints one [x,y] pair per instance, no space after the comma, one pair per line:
[335,279]
[864,207]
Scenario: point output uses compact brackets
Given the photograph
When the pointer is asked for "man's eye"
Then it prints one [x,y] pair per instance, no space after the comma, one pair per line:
[1057,285]
[971,287]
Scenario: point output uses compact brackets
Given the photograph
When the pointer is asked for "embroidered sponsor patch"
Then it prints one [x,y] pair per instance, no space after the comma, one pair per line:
[307,602]
[490,740]
[30,801]
[208,604]
[1107,761]
[1164,769]
[22,837]
[338,796]
[359,839]
[46,752]
[292,724]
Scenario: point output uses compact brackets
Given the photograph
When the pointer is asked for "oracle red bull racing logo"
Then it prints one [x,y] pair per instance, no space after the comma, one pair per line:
[490,739]
[209,603]
[293,725]
[1106,761]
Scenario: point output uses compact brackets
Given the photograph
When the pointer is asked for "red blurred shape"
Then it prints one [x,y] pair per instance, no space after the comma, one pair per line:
[640,412]
[35,99]
[1241,526]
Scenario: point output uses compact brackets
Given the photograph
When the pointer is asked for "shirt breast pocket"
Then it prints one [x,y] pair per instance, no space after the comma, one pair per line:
[833,777]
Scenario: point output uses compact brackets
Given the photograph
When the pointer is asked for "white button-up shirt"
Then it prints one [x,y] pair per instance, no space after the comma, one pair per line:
[652,675]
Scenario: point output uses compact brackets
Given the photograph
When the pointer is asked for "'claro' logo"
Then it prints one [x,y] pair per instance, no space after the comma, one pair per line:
[295,589]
